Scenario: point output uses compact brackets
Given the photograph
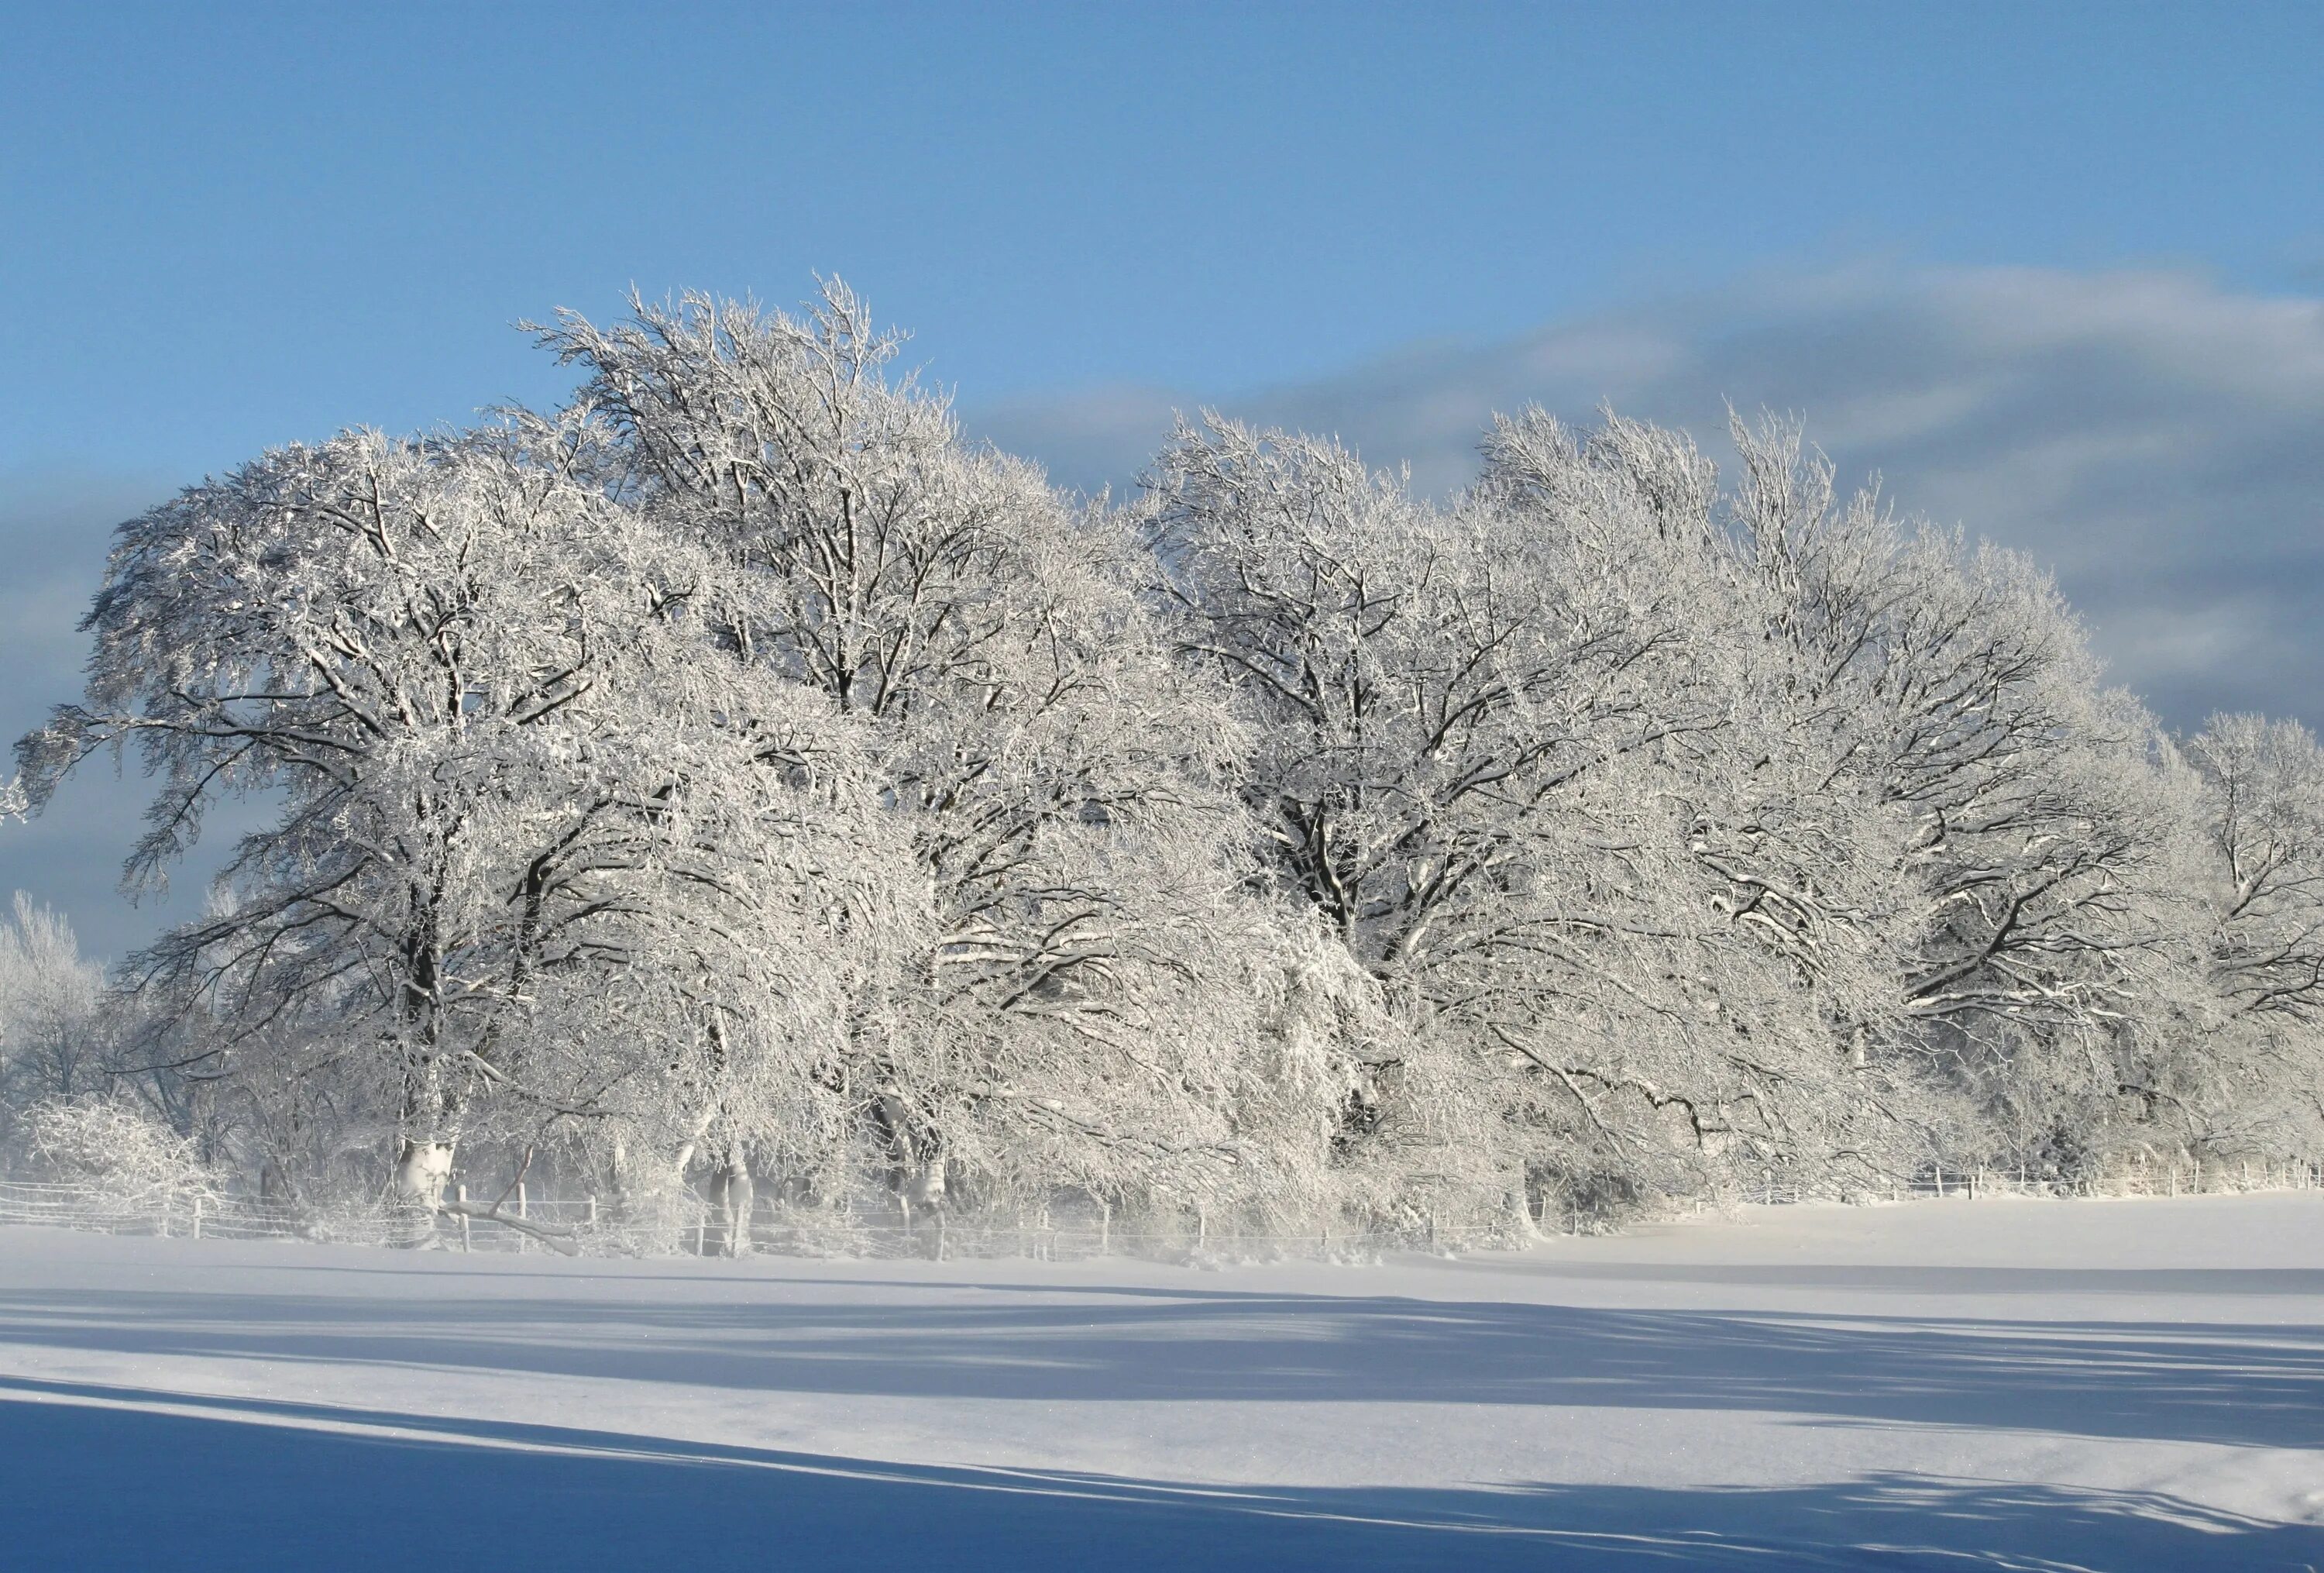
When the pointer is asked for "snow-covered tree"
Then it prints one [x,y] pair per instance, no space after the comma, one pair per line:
[467,679]
[739,777]
[1783,883]
[1485,732]
[1084,1010]
[52,1036]
[2250,1072]
[2039,896]
[2263,823]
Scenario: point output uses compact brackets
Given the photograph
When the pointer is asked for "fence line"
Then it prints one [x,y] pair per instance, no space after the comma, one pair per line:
[2126,1178]
[690,1225]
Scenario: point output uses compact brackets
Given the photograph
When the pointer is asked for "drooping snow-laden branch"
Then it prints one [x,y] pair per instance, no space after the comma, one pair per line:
[740,779]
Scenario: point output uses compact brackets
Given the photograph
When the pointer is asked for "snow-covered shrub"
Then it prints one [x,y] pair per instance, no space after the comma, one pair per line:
[119,1155]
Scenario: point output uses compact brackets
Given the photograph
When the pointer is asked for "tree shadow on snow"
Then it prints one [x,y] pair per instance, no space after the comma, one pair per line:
[2238,1383]
[96,1479]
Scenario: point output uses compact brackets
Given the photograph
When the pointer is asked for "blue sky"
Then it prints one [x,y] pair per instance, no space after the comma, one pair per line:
[228,226]
[2054,268]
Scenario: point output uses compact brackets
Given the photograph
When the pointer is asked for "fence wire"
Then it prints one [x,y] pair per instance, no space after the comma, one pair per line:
[692,1224]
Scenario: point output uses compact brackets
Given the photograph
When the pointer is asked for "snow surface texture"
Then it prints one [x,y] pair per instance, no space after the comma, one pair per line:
[2022,1384]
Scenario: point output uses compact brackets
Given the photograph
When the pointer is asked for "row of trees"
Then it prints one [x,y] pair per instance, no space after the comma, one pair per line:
[737,779]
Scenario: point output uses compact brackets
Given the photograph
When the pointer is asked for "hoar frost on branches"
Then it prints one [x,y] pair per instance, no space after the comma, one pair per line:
[504,777]
[1087,1006]
[739,780]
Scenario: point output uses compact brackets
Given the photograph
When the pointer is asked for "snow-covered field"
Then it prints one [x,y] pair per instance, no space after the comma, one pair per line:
[1999,1383]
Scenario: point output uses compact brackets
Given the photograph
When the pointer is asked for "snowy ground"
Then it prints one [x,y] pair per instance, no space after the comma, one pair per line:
[2106,1384]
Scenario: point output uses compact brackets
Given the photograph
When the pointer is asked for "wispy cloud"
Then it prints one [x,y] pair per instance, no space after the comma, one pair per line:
[2156,438]
[55,528]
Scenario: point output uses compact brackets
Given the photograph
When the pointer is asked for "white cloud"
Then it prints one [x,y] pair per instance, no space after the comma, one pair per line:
[2158,440]
[55,529]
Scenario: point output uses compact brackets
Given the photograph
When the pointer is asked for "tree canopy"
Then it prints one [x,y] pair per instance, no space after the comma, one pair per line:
[737,777]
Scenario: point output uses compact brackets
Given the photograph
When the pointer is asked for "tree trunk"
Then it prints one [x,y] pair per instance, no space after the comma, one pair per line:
[924,1187]
[423,1162]
[422,1170]
[733,1192]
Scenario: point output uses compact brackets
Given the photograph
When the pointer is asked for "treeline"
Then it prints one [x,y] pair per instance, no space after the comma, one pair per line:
[737,780]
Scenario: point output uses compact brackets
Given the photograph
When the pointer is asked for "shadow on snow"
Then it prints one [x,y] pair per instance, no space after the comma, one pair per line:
[2218,1383]
[94,1479]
